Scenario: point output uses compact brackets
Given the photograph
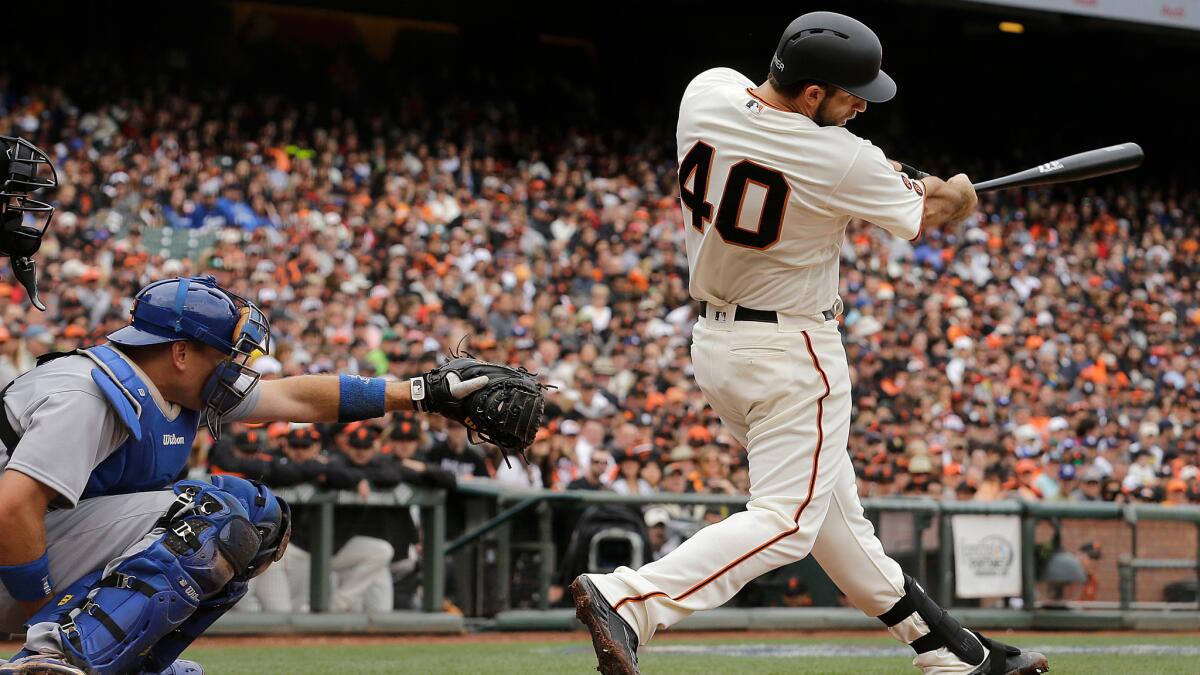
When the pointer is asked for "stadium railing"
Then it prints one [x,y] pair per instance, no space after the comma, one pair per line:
[511,503]
[492,508]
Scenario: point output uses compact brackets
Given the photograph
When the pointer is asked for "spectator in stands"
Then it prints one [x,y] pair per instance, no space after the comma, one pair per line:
[374,251]
[590,437]
[14,359]
[629,480]
[1142,472]
[1089,487]
[712,472]
[1112,491]
[1177,493]
[964,492]
[651,471]
[593,478]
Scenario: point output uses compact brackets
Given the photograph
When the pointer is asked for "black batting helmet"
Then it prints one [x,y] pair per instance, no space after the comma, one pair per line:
[833,49]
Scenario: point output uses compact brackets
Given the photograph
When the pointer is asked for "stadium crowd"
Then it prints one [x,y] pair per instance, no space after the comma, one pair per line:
[1043,348]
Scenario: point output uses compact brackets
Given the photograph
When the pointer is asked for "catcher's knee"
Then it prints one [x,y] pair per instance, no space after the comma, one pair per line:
[944,630]
[210,535]
[270,515]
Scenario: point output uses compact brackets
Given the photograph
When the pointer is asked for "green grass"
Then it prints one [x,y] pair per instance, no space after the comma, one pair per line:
[534,658]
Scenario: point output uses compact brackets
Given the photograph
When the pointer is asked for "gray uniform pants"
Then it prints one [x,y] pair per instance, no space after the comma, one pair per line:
[86,538]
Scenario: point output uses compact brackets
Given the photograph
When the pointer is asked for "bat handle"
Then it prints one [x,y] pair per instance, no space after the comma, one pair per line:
[987,185]
[912,171]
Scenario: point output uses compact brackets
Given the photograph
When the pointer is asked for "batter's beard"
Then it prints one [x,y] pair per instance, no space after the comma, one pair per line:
[822,118]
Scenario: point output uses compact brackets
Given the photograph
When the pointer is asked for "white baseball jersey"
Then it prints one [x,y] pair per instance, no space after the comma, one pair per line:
[767,195]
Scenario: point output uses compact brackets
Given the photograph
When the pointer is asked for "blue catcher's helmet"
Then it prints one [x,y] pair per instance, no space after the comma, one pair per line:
[197,309]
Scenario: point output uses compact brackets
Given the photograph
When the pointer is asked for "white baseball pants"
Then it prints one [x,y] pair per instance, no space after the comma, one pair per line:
[784,391]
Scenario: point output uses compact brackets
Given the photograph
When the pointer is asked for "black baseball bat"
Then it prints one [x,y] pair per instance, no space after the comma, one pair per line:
[1099,162]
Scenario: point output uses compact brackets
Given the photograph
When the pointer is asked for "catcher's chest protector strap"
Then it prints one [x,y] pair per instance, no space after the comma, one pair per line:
[109,626]
[944,630]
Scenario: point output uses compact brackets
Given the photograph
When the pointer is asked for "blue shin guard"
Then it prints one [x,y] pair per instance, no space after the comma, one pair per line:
[271,516]
[206,540]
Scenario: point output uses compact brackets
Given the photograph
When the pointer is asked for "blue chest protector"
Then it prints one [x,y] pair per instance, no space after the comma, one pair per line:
[157,450]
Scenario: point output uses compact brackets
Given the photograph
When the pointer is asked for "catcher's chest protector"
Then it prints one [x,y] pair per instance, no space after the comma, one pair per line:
[157,450]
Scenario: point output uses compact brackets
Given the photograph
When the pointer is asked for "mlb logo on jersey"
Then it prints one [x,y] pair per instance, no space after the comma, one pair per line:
[754,106]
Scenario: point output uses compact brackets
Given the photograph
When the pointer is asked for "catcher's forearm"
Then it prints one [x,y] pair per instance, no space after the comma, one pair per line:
[399,396]
[327,398]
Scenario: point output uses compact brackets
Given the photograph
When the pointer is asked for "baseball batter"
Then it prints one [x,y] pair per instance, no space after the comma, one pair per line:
[769,178]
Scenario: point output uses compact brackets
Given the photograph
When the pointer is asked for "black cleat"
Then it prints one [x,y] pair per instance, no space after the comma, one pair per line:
[614,640]
[1015,661]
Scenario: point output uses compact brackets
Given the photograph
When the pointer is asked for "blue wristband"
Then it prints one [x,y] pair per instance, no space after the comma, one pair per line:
[361,398]
[28,582]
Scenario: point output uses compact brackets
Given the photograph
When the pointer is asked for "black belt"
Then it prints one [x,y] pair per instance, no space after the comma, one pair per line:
[762,316]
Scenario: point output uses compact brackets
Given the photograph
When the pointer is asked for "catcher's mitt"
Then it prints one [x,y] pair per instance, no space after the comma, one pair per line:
[505,409]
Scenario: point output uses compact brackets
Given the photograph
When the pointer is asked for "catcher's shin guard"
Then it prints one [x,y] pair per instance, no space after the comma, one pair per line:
[943,629]
[271,516]
[205,540]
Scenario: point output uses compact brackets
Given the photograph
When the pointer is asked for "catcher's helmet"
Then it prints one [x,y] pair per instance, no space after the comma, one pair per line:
[198,309]
[833,49]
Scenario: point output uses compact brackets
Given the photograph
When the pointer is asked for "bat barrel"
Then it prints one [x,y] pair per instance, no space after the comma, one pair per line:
[1090,164]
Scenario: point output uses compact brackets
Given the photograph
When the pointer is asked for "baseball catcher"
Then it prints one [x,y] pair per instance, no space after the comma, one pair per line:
[112,563]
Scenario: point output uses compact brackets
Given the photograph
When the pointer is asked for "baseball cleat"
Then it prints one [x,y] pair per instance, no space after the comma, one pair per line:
[613,639]
[1016,662]
[39,664]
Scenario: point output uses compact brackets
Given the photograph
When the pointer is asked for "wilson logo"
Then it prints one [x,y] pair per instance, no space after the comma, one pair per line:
[188,590]
[172,439]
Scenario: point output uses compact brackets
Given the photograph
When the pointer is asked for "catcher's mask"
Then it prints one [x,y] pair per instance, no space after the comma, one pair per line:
[198,309]
[24,169]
